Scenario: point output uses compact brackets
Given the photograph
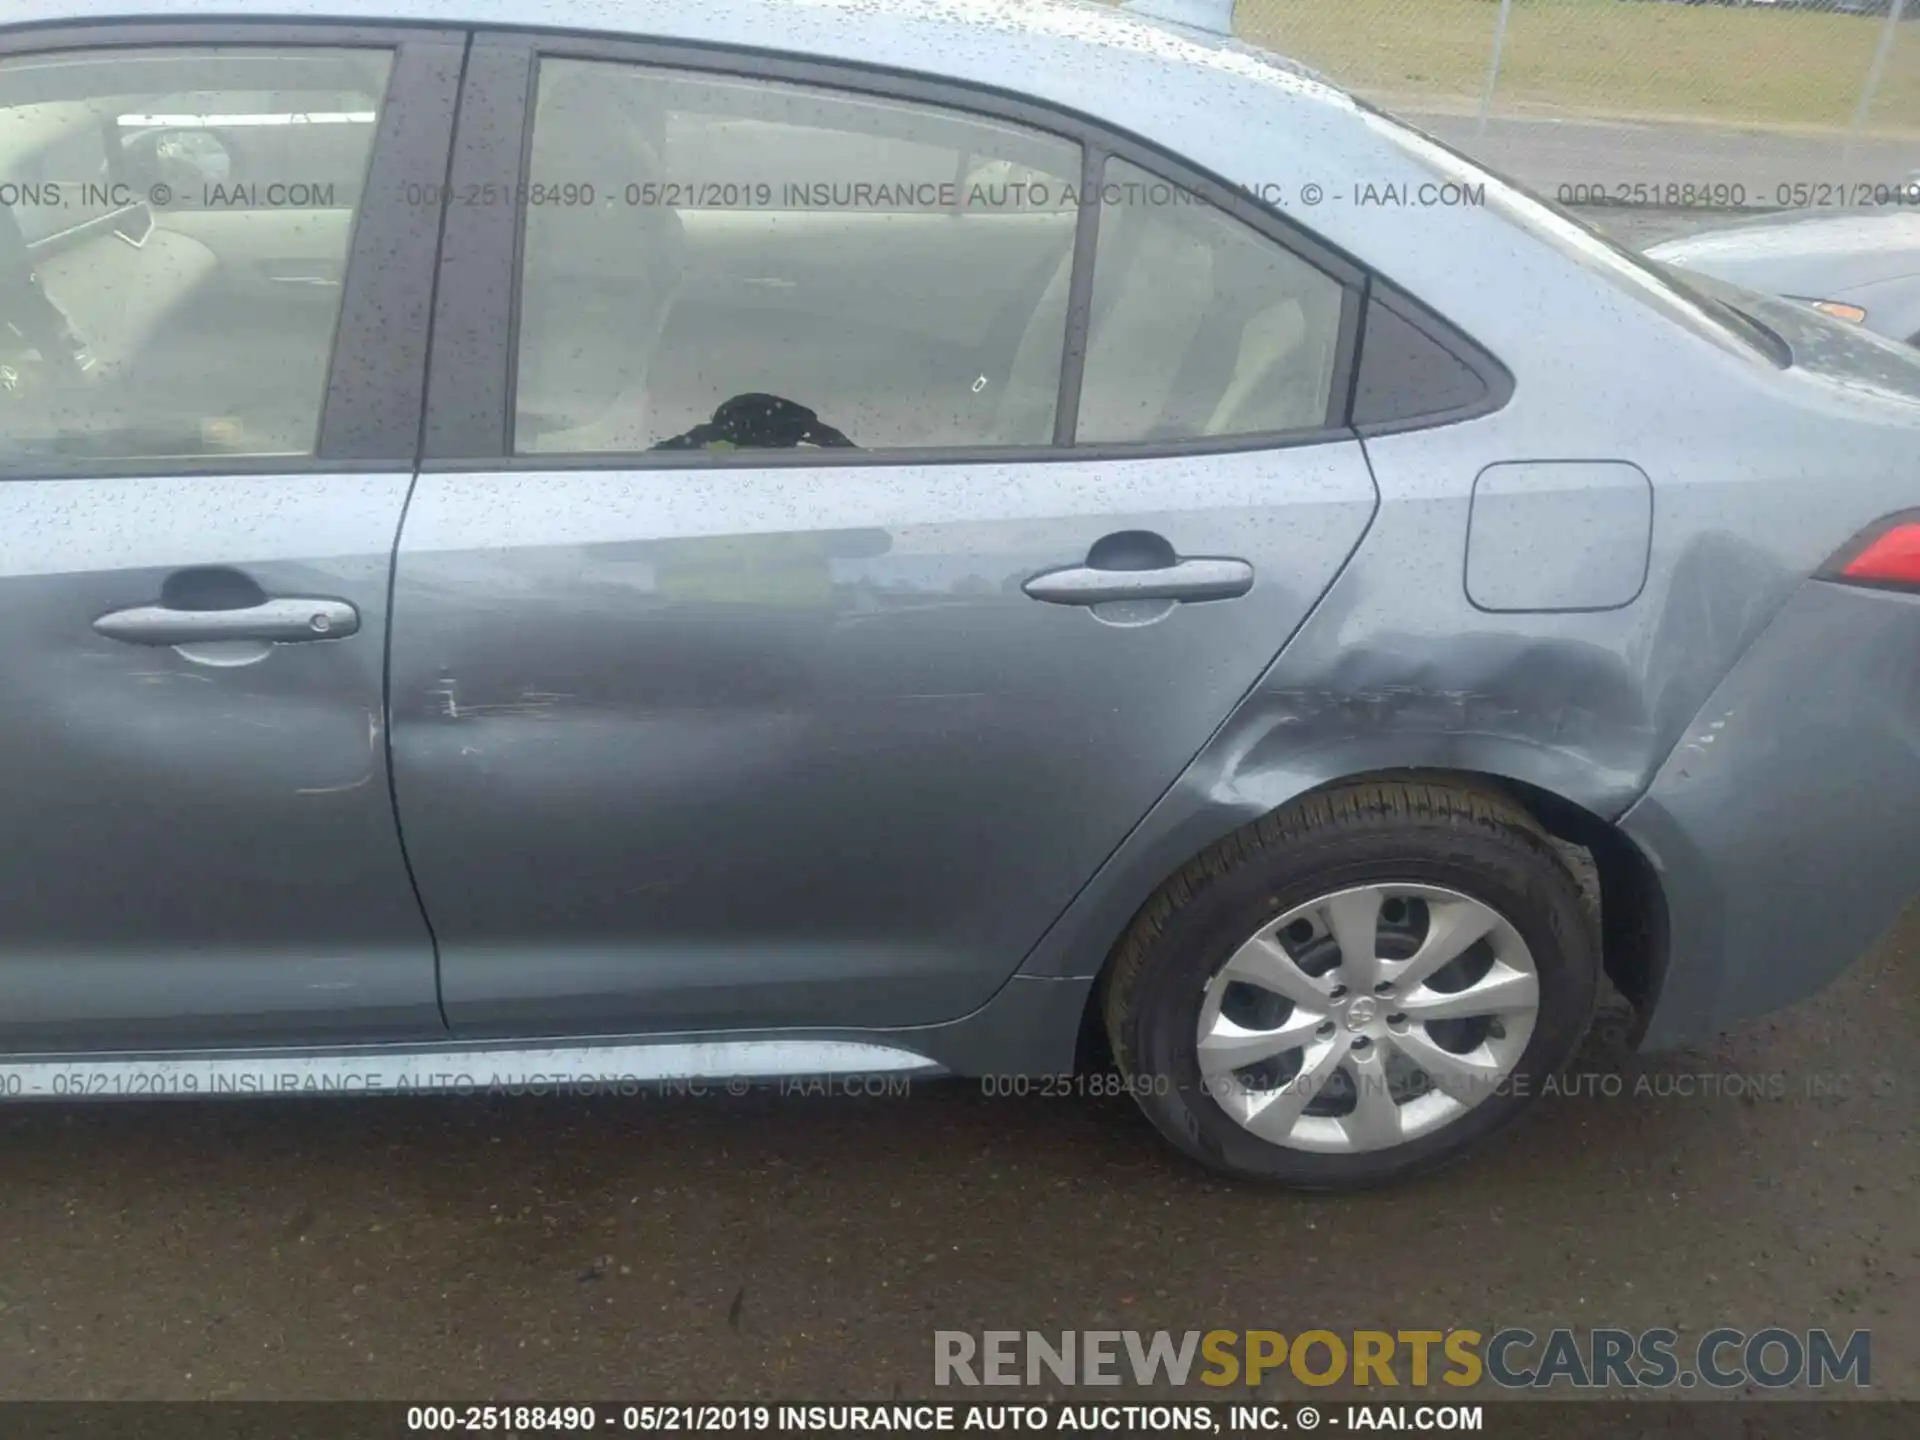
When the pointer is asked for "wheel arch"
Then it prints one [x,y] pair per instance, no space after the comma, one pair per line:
[1621,879]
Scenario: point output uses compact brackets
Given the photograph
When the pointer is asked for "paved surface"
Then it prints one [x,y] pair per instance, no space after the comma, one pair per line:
[1550,156]
[1548,153]
[772,1247]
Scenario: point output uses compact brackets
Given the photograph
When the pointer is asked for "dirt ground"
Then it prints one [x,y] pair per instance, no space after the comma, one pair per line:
[774,1247]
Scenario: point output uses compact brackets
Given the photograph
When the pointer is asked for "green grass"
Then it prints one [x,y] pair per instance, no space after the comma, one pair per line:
[1604,57]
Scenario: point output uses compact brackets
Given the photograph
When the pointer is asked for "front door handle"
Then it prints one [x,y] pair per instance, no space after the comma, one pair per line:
[279,621]
[1183,580]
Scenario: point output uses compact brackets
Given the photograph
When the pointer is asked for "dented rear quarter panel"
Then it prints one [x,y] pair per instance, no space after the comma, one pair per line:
[1758,475]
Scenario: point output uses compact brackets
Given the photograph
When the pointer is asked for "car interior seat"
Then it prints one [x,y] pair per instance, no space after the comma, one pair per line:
[1283,353]
[1152,288]
[118,281]
[122,297]
[1173,351]
[600,278]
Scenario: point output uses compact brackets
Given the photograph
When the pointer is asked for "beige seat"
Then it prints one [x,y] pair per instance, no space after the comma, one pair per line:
[1143,324]
[1172,284]
[1137,336]
[119,296]
[1281,370]
[120,300]
[600,279]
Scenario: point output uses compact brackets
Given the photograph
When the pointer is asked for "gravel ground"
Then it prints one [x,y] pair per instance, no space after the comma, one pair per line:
[776,1247]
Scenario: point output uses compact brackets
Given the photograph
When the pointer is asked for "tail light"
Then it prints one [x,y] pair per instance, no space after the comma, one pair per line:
[1852,314]
[1885,556]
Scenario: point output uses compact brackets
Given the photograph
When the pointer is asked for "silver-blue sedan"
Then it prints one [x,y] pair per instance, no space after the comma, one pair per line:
[576,545]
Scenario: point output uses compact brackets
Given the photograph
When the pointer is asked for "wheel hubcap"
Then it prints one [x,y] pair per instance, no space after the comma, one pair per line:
[1368,1017]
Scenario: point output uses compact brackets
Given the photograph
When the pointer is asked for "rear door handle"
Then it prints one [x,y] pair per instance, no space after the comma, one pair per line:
[280,621]
[1184,580]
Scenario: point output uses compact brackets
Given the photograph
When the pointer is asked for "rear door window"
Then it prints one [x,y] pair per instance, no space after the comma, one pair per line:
[720,263]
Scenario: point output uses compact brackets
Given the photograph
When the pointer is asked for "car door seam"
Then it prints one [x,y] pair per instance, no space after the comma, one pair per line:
[399,530]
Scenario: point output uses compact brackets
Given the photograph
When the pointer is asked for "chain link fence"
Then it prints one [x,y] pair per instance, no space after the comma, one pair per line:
[1766,92]
[1802,65]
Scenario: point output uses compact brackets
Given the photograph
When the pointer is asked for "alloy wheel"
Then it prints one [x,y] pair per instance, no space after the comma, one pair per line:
[1367,1017]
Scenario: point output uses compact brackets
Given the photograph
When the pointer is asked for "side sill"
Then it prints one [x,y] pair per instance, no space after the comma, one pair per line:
[587,1067]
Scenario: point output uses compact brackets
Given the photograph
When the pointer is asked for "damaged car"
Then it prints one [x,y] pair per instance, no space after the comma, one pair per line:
[767,539]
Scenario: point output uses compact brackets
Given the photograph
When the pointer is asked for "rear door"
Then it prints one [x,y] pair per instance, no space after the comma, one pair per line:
[204,457]
[774,645]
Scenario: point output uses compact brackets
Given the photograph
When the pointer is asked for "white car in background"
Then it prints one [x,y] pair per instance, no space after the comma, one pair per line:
[1861,266]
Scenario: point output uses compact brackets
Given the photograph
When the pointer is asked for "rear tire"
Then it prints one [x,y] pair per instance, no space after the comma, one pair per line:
[1392,1066]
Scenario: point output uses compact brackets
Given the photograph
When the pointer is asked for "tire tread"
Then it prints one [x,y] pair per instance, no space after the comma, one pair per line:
[1342,809]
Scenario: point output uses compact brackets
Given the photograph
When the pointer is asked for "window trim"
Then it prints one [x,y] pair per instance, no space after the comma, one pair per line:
[375,395]
[470,401]
[1482,362]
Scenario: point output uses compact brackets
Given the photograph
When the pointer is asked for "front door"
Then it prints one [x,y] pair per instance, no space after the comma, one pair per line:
[208,419]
